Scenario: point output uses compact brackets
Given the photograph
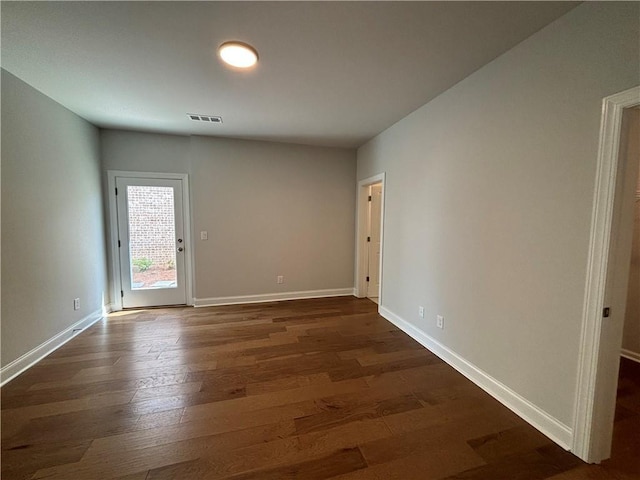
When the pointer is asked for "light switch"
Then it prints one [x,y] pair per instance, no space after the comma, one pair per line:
[204,235]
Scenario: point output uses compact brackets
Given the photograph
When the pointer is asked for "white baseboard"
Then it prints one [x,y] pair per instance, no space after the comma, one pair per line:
[272,297]
[547,424]
[19,365]
[635,356]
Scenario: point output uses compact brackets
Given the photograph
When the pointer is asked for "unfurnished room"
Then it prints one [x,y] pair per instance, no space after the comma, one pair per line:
[308,240]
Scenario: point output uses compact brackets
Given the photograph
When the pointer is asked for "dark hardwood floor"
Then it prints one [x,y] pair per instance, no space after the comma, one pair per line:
[307,389]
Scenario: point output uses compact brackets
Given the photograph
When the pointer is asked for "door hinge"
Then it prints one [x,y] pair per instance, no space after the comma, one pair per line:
[116,191]
[606,312]
[369,197]
[367,279]
[368,239]
[121,294]
[118,243]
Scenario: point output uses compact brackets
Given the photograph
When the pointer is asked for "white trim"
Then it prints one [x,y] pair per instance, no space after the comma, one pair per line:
[272,297]
[116,300]
[361,234]
[546,423]
[602,213]
[19,365]
[635,356]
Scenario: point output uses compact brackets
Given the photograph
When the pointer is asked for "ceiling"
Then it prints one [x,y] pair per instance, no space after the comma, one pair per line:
[330,73]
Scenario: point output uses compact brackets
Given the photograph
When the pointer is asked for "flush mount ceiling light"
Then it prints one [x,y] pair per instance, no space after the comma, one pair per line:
[238,54]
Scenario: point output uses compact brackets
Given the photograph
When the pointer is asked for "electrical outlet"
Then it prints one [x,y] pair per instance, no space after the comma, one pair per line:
[440,321]
[76,304]
[421,311]
[280,279]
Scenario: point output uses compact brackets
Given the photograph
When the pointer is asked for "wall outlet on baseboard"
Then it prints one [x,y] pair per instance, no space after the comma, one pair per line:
[421,311]
[439,321]
[280,279]
[76,304]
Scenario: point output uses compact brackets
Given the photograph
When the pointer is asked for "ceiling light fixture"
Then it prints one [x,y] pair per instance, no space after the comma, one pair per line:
[238,54]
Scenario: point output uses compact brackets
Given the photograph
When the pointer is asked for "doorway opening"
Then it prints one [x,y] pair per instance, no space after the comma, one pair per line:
[370,233]
[625,442]
[631,328]
[373,242]
[607,279]
[149,233]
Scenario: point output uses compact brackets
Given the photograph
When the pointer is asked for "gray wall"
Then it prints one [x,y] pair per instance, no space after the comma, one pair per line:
[270,209]
[489,198]
[52,224]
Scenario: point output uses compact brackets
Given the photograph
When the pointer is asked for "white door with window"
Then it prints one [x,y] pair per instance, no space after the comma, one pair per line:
[151,241]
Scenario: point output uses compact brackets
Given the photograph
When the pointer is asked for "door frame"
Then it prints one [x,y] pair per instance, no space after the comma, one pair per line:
[362,205]
[116,280]
[588,443]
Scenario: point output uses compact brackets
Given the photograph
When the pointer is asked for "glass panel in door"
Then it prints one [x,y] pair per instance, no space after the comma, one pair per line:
[152,237]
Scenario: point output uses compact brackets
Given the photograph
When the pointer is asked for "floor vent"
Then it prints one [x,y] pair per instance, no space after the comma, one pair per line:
[204,118]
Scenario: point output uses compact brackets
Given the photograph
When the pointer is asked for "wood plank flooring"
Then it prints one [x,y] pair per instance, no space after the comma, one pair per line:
[307,389]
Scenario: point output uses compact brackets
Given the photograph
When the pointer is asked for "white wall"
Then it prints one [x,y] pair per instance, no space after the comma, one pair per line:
[489,198]
[52,225]
[270,209]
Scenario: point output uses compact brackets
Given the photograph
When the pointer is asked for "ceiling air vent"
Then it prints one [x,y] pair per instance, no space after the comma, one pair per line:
[196,117]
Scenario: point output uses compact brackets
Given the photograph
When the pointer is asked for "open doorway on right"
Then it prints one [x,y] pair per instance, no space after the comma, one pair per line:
[625,449]
[374,232]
